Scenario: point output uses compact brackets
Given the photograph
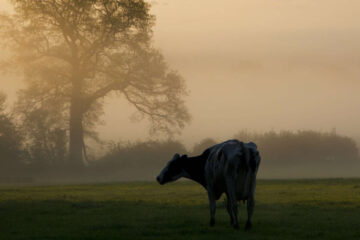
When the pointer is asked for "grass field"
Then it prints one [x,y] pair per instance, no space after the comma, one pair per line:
[293,209]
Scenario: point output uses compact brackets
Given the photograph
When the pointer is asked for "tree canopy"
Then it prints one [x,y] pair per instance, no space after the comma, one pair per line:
[74,52]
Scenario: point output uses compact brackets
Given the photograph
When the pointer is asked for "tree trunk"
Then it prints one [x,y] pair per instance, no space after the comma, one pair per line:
[76,128]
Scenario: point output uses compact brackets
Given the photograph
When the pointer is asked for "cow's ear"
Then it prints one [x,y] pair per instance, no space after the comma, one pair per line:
[176,156]
[184,156]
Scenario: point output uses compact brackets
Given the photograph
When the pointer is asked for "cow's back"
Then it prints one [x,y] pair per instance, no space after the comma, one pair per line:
[223,163]
[231,161]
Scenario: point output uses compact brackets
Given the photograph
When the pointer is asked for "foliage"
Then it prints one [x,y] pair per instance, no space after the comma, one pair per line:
[138,160]
[43,126]
[11,152]
[146,152]
[304,146]
[202,145]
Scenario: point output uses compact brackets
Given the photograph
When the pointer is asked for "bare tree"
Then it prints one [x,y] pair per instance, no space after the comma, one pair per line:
[81,50]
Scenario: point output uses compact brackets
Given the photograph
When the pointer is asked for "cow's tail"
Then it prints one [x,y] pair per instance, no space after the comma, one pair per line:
[254,160]
[245,157]
[221,155]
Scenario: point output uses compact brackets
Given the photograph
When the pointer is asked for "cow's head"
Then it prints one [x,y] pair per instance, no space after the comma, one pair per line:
[173,170]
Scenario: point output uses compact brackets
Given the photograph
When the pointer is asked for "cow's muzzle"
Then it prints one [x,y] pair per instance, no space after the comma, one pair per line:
[160,181]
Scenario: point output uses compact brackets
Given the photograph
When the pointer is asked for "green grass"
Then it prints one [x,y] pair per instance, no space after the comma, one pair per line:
[293,209]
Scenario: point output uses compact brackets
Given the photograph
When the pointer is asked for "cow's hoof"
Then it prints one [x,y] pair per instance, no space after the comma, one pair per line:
[212,222]
[231,222]
[248,226]
[236,226]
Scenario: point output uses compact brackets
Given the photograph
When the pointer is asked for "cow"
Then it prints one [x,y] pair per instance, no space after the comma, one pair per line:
[229,167]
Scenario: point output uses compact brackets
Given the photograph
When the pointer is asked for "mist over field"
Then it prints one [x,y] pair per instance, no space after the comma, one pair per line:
[119,119]
[283,74]
[260,65]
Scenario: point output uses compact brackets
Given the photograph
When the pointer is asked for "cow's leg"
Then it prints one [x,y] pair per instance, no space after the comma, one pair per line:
[228,207]
[251,203]
[250,210]
[233,203]
[212,207]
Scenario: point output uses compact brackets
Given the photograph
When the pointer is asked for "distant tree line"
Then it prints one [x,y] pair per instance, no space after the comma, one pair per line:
[279,150]
[303,146]
[43,155]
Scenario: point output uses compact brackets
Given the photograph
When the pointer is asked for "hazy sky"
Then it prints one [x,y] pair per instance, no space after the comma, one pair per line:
[255,64]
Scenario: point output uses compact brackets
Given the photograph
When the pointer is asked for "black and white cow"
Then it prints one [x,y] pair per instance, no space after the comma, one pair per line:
[229,167]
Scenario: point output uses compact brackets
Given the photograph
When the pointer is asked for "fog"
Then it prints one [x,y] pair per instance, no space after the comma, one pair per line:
[259,65]
[256,65]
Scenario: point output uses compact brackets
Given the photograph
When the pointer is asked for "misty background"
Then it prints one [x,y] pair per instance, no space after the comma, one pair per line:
[261,66]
